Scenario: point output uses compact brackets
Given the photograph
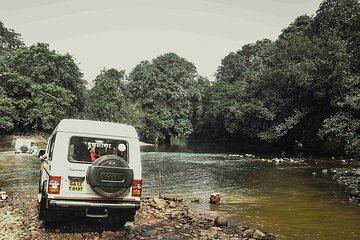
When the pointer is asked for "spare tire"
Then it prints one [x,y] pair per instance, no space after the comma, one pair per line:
[24,148]
[109,176]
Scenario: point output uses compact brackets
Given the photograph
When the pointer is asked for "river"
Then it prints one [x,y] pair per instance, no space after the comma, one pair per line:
[284,199]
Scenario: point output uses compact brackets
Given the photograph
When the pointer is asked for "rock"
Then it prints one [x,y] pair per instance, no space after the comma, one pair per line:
[172,204]
[202,233]
[213,231]
[215,198]
[159,203]
[234,156]
[258,235]
[196,200]
[314,174]
[151,233]
[249,155]
[220,221]
[248,233]
[324,171]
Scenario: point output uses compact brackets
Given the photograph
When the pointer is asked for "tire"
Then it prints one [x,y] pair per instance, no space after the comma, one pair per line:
[116,221]
[24,149]
[43,212]
[109,162]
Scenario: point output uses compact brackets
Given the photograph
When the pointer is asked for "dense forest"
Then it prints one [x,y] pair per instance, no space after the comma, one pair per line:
[304,86]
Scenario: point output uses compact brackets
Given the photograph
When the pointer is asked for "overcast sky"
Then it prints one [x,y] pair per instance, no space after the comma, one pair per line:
[119,34]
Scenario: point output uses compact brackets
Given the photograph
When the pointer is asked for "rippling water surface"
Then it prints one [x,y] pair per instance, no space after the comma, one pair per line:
[283,199]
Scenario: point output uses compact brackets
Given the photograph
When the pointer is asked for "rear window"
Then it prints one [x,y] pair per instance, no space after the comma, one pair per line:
[85,149]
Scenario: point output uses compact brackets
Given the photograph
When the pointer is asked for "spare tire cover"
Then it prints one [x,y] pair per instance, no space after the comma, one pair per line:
[111,161]
[24,148]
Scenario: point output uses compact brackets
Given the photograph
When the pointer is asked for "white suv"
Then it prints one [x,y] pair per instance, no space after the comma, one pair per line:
[91,169]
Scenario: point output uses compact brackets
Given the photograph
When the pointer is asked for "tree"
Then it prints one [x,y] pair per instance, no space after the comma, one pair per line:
[245,63]
[336,26]
[43,65]
[108,100]
[49,104]
[9,40]
[198,101]
[35,73]
[163,88]
[7,112]
[231,103]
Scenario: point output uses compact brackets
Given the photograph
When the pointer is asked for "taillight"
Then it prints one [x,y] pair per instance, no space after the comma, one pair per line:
[136,188]
[54,185]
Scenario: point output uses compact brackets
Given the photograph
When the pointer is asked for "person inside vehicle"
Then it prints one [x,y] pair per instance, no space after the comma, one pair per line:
[93,154]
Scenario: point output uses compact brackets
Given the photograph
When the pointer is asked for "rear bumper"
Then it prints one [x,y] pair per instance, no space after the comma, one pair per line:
[88,204]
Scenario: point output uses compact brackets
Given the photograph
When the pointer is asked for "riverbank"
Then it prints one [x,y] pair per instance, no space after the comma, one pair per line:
[157,219]
[351,179]
[7,142]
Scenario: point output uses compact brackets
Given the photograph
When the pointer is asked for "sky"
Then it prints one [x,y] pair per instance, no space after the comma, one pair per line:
[121,33]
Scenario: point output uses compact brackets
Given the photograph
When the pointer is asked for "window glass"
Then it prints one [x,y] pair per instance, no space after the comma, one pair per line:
[51,148]
[85,149]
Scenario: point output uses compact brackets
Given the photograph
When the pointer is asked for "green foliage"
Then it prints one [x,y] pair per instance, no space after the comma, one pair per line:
[246,63]
[106,97]
[343,128]
[165,89]
[9,40]
[7,110]
[303,86]
[308,80]
[108,100]
[43,65]
[49,104]
[43,86]
[232,105]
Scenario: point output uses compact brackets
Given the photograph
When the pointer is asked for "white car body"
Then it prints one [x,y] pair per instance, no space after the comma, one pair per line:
[74,192]
[26,146]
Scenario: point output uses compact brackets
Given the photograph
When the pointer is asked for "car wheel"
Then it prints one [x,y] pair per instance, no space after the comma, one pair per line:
[110,176]
[43,212]
[116,221]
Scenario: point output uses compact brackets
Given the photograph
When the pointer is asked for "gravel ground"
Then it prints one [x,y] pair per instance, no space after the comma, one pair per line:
[157,219]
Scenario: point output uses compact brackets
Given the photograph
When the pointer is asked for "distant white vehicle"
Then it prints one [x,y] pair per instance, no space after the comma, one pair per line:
[26,146]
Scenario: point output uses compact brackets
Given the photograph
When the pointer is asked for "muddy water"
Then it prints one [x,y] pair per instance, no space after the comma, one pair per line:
[283,199]
[19,172]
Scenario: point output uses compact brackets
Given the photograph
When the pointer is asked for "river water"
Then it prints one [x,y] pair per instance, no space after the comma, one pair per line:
[283,199]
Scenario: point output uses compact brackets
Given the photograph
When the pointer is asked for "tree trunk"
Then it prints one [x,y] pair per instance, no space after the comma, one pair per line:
[167,140]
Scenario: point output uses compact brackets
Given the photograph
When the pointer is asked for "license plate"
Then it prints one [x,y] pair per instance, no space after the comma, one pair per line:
[75,186]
